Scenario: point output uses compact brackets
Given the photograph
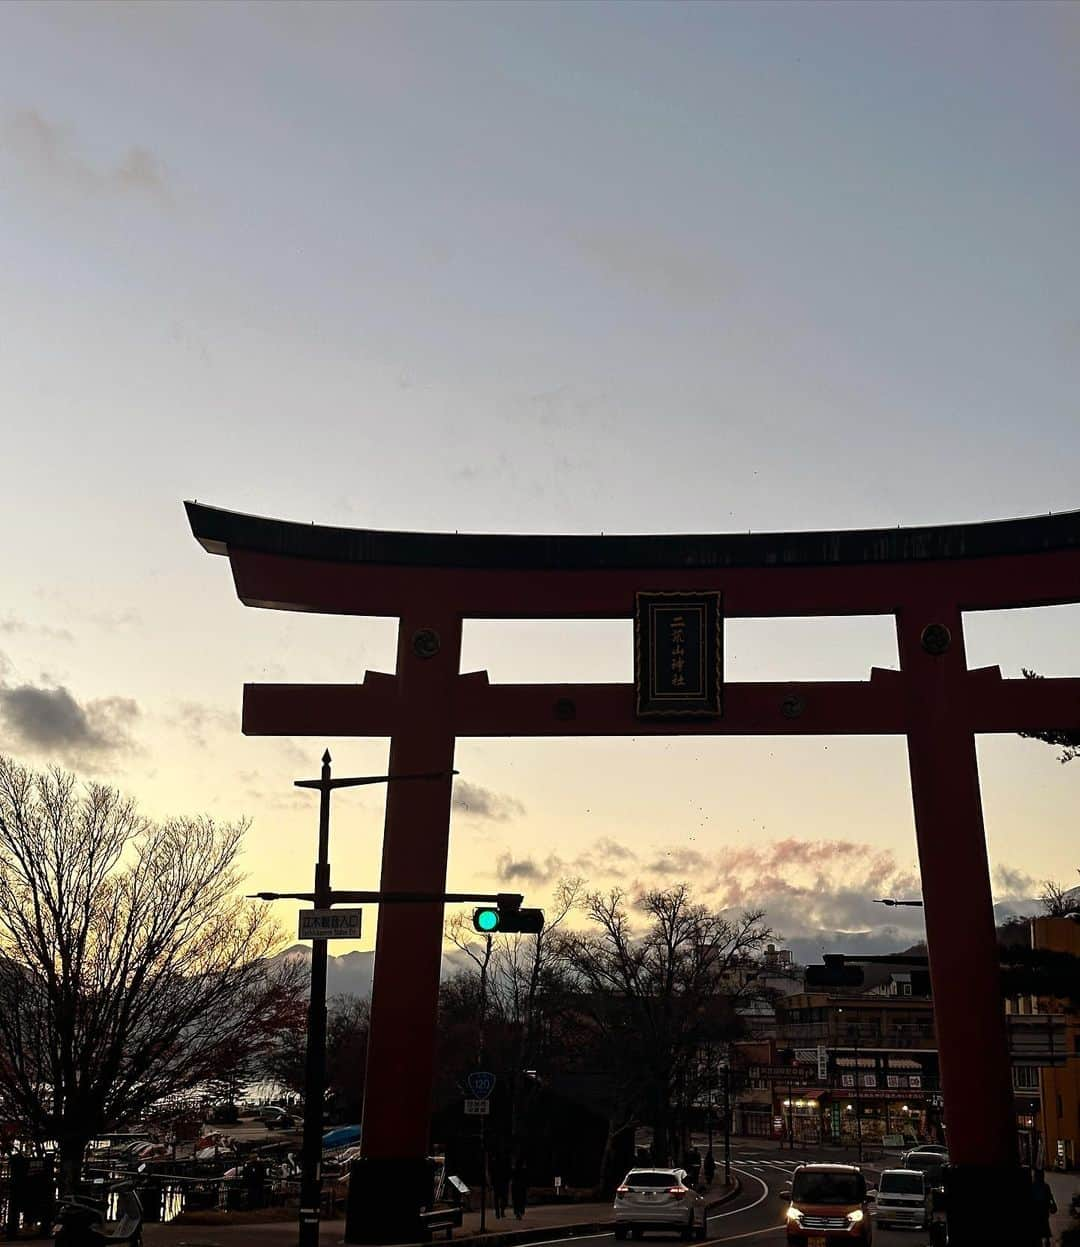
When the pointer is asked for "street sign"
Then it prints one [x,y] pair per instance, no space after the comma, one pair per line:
[477,1108]
[481,1083]
[330,924]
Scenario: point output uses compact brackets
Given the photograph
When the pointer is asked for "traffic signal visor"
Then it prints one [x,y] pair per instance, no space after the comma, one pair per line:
[492,919]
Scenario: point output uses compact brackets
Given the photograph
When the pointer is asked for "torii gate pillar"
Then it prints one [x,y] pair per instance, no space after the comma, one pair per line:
[925,578]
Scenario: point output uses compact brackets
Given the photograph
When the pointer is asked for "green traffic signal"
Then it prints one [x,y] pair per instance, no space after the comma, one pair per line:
[508,920]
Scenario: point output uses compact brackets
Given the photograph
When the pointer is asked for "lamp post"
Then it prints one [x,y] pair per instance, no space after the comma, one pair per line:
[312,1151]
[315,1063]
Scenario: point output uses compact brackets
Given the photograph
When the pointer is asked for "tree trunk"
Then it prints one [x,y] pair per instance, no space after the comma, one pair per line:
[660,1120]
[72,1152]
[610,1174]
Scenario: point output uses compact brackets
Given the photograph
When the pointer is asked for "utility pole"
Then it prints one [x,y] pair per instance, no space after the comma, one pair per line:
[483,1065]
[311,1153]
[315,1063]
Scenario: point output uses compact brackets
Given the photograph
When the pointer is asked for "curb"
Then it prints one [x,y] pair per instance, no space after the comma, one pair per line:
[503,1238]
[205,1236]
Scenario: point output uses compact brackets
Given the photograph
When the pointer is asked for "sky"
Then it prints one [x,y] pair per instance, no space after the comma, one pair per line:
[586,267]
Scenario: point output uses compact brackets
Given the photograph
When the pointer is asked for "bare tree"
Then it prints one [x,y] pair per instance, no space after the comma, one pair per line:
[516,971]
[130,970]
[1058,901]
[511,999]
[457,931]
[348,1021]
[657,995]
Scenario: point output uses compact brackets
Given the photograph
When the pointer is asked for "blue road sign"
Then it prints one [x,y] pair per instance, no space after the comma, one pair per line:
[481,1084]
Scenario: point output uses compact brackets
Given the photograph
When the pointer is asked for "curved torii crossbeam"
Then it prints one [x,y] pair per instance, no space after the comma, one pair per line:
[924,577]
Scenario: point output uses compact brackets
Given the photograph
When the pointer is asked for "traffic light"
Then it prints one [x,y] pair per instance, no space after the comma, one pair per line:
[834,973]
[507,918]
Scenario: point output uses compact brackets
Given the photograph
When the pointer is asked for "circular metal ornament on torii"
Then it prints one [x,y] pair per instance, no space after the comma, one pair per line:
[678,589]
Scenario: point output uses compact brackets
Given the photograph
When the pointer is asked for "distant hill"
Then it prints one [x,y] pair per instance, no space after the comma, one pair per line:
[350,974]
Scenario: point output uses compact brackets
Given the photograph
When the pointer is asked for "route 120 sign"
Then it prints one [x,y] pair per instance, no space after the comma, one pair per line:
[481,1084]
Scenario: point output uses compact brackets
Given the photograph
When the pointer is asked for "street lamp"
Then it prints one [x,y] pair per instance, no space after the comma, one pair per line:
[315,1066]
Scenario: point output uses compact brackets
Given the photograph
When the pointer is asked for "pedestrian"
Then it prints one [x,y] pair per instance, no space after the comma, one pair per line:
[518,1186]
[1042,1206]
[500,1183]
[710,1167]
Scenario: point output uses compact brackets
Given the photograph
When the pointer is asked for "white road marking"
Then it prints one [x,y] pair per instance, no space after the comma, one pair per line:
[746,1207]
[733,1238]
[714,1216]
[769,1229]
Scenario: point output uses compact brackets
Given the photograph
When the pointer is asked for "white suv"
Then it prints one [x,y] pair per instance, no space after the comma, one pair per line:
[658,1199]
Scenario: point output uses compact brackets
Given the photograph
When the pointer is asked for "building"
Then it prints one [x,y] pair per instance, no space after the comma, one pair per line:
[1047,1097]
[864,1064]
[778,976]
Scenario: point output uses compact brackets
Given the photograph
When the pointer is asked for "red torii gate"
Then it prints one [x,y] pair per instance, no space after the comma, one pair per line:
[925,577]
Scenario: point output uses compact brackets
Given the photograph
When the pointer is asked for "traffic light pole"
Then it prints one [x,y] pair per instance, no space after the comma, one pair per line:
[322,897]
[315,1063]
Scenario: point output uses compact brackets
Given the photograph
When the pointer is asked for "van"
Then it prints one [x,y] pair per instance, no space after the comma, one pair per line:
[903,1198]
[829,1204]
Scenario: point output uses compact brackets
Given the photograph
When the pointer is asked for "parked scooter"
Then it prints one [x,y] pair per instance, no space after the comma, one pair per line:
[83,1220]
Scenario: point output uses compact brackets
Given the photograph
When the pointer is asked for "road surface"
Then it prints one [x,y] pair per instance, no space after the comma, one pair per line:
[756,1216]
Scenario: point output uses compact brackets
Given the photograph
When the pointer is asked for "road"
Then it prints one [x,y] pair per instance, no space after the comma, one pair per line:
[756,1216]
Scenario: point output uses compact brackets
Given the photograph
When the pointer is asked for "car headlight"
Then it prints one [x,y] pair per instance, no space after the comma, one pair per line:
[793,1214]
[855,1217]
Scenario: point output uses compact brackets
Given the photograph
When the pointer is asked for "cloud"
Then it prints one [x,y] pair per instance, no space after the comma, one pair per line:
[605,860]
[818,889]
[12,625]
[480,802]
[46,153]
[819,895]
[512,869]
[197,720]
[52,720]
[685,863]
[1013,882]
